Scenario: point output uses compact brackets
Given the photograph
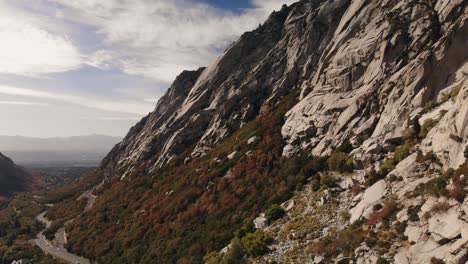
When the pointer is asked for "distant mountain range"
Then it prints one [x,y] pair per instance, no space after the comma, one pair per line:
[66,151]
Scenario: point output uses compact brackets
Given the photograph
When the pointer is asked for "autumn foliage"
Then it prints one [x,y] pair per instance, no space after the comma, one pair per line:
[183,211]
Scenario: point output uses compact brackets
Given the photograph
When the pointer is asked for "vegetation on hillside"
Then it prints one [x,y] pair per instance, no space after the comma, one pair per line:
[183,211]
[18,226]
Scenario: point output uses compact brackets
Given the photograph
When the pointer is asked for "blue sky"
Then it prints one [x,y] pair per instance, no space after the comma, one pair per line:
[77,67]
[229,4]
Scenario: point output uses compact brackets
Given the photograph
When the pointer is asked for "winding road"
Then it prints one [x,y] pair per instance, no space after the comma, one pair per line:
[56,248]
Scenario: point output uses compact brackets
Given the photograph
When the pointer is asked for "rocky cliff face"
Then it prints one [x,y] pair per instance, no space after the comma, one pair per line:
[365,70]
[386,78]
[13,178]
[203,107]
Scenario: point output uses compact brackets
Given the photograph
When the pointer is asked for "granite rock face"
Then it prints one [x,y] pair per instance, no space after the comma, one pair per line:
[365,72]
[388,63]
[203,107]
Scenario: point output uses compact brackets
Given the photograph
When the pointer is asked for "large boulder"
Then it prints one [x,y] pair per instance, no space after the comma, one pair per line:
[371,196]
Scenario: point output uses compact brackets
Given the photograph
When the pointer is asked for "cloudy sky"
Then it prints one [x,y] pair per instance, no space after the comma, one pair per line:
[78,67]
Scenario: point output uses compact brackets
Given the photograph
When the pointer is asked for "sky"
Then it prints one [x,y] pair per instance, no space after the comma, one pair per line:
[79,67]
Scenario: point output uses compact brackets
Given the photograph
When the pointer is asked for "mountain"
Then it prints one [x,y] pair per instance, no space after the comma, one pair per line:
[78,150]
[13,178]
[336,132]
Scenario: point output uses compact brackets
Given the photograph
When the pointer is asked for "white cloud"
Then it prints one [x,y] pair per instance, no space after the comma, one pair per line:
[159,39]
[122,106]
[21,103]
[28,49]
[101,59]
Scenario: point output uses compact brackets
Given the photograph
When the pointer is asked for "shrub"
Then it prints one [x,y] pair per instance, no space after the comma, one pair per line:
[274,212]
[429,156]
[456,138]
[443,112]
[213,258]
[411,133]
[434,187]
[346,147]
[455,91]
[377,207]
[458,191]
[356,188]
[340,162]
[440,207]
[382,261]
[315,183]
[413,213]
[247,227]
[235,253]
[345,215]
[255,244]
[429,106]
[435,260]
[326,181]
[374,176]
[389,208]
[426,127]
[401,153]
[339,242]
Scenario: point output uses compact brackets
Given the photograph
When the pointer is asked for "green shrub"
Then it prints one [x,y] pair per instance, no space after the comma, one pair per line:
[413,213]
[326,181]
[429,106]
[455,91]
[410,135]
[247,227]
[374,176]
[235,253]
[344,242]
[315,183]
[435,187]
[445,97]
[274,212]
[401,153]
[255,244]
[345,215]
[426,127]
[340,162]
[346,147]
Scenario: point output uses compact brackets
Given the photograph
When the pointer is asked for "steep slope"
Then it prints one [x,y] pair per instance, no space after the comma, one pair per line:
[13,178]
[358,107]
[204,107]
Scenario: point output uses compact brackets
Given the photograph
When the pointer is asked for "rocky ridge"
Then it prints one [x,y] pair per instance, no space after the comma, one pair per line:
[388,78]
[13,178]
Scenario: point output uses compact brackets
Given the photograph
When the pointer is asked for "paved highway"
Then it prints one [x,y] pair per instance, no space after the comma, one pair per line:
[56,248]
[58,251]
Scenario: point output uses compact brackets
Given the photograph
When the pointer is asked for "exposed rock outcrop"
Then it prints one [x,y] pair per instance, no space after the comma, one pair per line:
[382,83]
